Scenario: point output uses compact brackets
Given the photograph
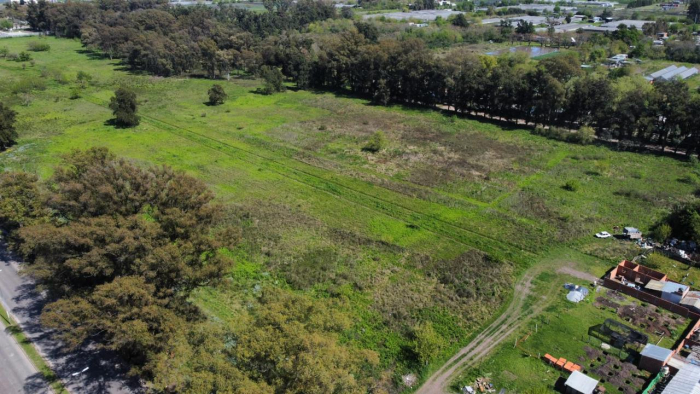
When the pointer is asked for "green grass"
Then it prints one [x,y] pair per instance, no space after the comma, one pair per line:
[31,352]
[325,219]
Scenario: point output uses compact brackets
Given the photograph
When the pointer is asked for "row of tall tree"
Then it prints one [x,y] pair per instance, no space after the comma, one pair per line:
[217,41]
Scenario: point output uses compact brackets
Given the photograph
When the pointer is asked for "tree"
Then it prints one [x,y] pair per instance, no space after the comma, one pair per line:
[426,342]
[694,10]
[8,134]
[217,95]
[274,80]
[460,20]
[124,106]
[124,248]
[663,231]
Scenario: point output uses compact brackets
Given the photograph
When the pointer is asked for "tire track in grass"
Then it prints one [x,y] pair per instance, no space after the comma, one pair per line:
[333,186]
[551,163]
[512,319]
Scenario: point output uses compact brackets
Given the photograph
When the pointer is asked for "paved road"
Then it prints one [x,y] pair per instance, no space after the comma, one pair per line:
[106,374]
[17,373]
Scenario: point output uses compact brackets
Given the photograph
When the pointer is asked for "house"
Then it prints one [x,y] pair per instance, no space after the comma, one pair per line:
[578,18]
[674,292]
[579,383]
[653,358]
[662,36]
[686,381]
[630,232]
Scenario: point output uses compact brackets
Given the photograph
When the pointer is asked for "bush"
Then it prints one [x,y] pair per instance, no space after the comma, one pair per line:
[24,57]
[28,84]
[35,46]
[83,78]
[572,185]
[376,143]
[4,52]
[584,135]
[75,93]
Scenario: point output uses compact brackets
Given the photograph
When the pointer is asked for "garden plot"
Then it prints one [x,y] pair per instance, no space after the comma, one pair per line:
[563,331]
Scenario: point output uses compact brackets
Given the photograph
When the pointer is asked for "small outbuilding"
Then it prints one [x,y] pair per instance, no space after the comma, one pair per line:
[692,301]
[686,381]
[632,233]
[653,358]
[674,292]
[579,383]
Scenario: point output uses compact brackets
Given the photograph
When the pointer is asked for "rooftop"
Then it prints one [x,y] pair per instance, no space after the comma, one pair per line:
[581,383]
[686,381]
[656,352]
[673,287]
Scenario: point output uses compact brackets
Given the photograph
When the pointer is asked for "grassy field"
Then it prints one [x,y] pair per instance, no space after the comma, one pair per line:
[374,233]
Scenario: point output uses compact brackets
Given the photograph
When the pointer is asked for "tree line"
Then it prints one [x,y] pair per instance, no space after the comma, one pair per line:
[162,40]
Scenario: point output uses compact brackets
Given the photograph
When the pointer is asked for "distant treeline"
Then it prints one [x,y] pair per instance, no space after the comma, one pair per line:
[153,37]
[640,3]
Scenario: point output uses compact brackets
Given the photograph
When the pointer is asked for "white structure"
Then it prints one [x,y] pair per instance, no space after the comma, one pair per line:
[686,381]
[579,383]
[673,73]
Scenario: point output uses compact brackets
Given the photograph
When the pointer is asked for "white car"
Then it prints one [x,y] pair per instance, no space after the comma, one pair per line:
[603,234]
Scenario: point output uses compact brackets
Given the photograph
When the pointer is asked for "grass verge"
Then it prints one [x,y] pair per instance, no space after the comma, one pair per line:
[31,352]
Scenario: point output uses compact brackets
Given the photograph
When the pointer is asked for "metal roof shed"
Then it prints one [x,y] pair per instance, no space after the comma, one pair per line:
[656,352]
[688,73]
[686,381]
[654,284]
[674,73]
[580,383]
[673,287]
[663,71]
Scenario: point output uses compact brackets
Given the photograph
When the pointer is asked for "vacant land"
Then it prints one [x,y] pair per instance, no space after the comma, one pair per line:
[394,238]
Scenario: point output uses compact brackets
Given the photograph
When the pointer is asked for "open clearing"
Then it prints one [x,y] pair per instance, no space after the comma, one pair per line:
[390,238]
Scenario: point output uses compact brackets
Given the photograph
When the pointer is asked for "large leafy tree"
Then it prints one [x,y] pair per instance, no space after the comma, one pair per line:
[217,95]
[121,253]
[8,133]
[124,106]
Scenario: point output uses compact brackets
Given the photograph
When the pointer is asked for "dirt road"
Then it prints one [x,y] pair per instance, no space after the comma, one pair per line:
[492,336]
[508,322]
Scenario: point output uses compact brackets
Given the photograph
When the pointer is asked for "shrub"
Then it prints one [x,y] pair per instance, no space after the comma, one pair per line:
[376,143]
[75,93]
[28,84]
[662,232]
[4,51]
[35,46]
[24,57]
[83,78]
[572,185]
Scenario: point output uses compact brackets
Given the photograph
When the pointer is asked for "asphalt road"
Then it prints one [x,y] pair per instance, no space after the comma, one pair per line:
[17,373]
[105,372]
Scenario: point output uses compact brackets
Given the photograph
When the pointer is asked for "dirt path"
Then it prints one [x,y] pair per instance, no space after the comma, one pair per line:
[576,273]
[489,338]
[497,332]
